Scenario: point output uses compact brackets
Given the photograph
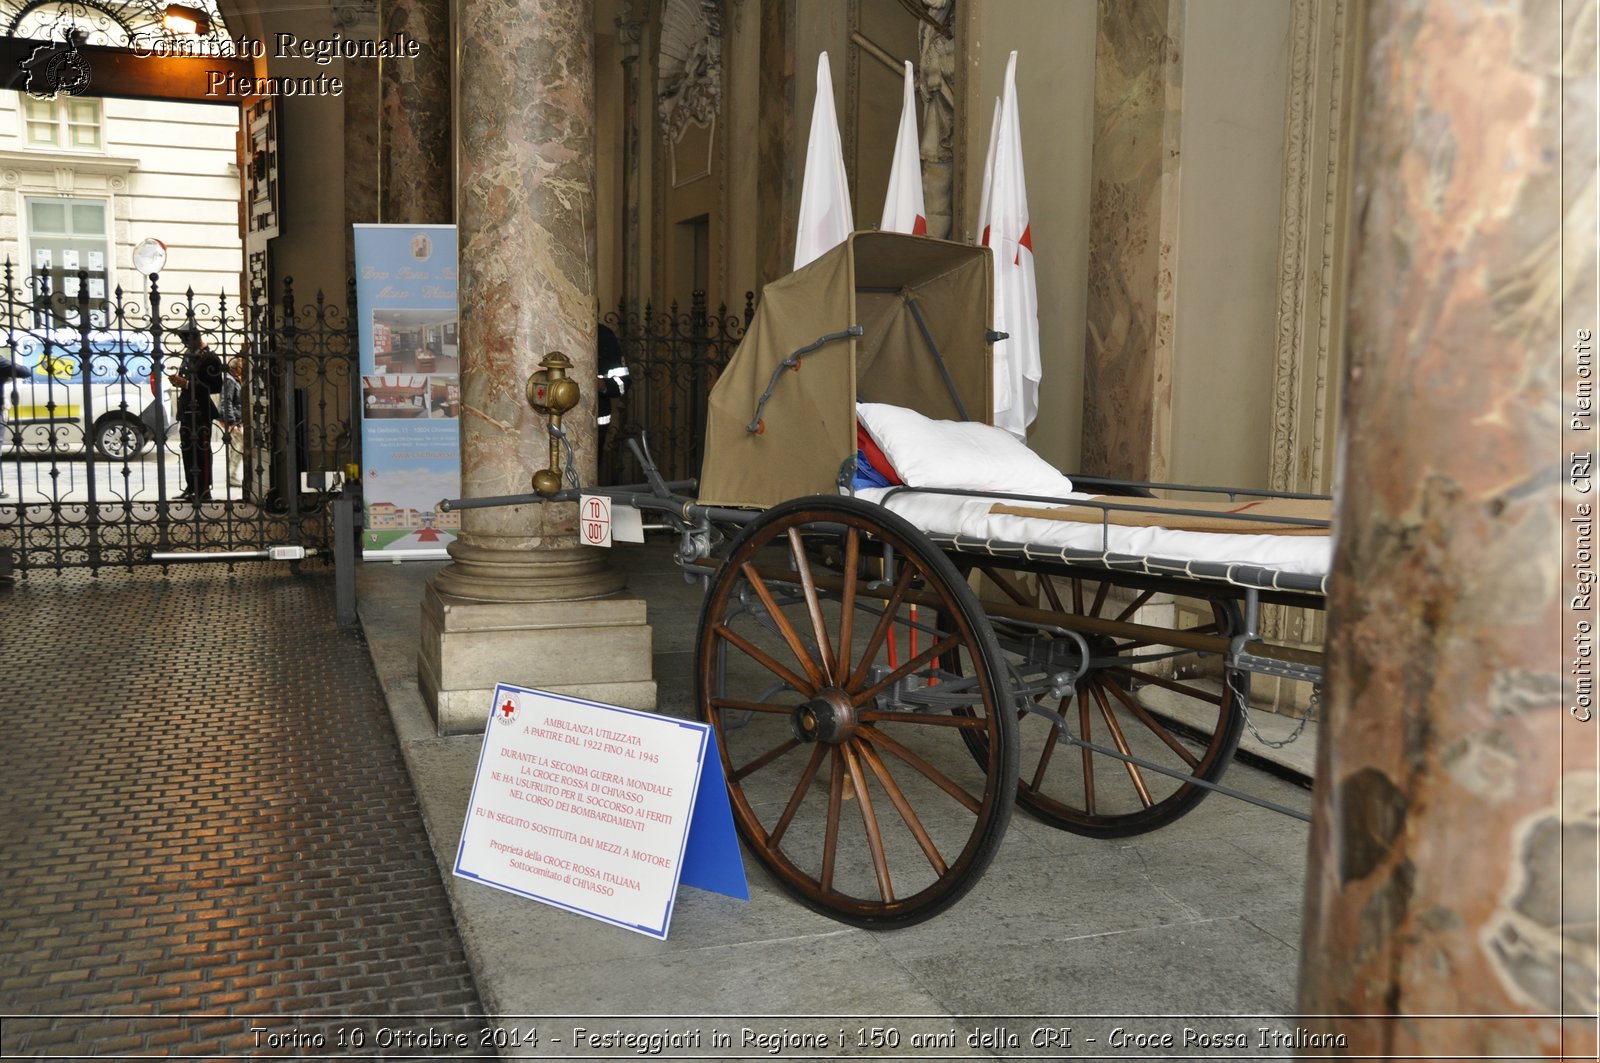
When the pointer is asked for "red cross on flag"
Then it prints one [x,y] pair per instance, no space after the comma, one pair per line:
[825,215]
[903,210]
[1003,226]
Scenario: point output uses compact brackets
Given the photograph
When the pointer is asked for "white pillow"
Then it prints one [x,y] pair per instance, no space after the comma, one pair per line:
[963,455]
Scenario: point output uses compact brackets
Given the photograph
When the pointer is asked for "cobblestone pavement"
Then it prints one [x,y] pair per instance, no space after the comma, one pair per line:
[206,826]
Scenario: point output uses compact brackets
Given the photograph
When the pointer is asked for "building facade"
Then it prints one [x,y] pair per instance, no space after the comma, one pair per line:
[83,180]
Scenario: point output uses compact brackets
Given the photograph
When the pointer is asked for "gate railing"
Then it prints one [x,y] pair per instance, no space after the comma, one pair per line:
[673,358]
[91,469]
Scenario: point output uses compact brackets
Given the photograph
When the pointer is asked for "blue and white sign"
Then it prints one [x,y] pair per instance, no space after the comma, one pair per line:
[410,388]
[598,810]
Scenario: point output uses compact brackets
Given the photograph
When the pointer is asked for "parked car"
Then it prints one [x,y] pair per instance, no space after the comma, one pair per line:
[122,411]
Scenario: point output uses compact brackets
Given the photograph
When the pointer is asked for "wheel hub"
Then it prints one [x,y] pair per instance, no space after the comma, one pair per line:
[829,717]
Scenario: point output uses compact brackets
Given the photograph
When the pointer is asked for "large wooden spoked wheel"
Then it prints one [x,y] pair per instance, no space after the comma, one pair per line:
[1138,697]
[842,661]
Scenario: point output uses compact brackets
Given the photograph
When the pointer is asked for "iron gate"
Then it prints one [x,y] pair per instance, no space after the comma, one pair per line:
[90,464]
[673,359]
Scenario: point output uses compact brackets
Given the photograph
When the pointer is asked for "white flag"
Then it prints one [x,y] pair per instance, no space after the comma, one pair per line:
[1004,219]
[903,210]
[988,176]
[825,216]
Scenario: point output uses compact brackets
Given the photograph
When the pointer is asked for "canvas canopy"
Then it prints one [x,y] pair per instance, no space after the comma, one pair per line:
[922,313]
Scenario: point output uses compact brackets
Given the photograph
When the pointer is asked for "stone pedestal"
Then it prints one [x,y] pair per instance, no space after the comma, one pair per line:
[596,649]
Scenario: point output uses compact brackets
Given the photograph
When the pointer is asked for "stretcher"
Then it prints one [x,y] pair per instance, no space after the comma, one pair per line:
[889,670]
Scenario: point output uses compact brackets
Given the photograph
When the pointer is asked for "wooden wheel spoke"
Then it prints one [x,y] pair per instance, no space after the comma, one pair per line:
[1200,629]
[803,787]
[1088,757]
[1099,599]
[976,723]
[1048,585]
[898,798]
[808,583]
[764,759]
[869,820]
[1077,596]
[735,705]
[1135,605]
[1049,749]
[942,646]
[1121,743]
[1155,727]
[786,629]
[830,840]
[932,774]
[745,646]
[1210,697]
[847,603]
[1006,588]
[885,621]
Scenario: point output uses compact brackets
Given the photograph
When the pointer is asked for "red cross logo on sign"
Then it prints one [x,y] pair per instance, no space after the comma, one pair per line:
[594,520]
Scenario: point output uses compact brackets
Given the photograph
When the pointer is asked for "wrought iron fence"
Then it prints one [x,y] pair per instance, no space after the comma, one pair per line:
[92,469]
[673,360]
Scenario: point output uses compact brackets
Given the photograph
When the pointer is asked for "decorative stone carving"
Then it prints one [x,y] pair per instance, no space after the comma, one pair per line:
[356,15]
[1309,261]
[630,33]
[689,65]
[1312,156]
[937,66]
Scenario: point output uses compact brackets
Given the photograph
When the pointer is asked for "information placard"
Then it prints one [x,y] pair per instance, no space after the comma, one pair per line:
[586,807]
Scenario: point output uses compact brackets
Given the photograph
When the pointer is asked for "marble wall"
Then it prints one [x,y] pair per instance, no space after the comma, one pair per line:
[1133,239]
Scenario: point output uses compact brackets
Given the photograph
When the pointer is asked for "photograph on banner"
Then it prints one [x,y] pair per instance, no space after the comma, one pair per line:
[411,388]
[409,467]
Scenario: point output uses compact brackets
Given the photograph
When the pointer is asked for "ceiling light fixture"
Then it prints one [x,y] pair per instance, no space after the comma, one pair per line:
[186,21]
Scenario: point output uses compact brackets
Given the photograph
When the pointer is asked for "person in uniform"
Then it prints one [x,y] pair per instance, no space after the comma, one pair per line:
[198,378]
[613,383]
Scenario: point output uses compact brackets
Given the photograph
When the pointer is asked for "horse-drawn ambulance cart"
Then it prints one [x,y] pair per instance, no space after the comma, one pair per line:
[889,668]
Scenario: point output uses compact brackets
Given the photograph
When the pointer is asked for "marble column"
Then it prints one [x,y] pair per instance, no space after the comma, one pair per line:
[777,181]
[1453,854]
[414,149]
[630,35]
[1133,239]
[521,602]
[358,20]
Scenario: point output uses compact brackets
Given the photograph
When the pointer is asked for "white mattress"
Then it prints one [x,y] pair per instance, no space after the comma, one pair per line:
[970,517]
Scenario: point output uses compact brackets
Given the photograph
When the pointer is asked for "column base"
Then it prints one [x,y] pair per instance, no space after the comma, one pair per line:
[594,648]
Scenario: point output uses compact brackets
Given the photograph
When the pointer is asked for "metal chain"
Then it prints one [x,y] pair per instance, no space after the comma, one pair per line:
[1312,705]
[566,445]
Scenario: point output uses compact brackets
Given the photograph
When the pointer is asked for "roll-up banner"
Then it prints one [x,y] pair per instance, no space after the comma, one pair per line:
[410,388]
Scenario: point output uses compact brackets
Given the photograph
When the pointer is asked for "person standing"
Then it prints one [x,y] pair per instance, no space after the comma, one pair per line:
[230,406]
[198,378]
[10,371]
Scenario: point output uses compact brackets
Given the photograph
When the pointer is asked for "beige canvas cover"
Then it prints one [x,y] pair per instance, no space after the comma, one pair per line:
[807,427]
